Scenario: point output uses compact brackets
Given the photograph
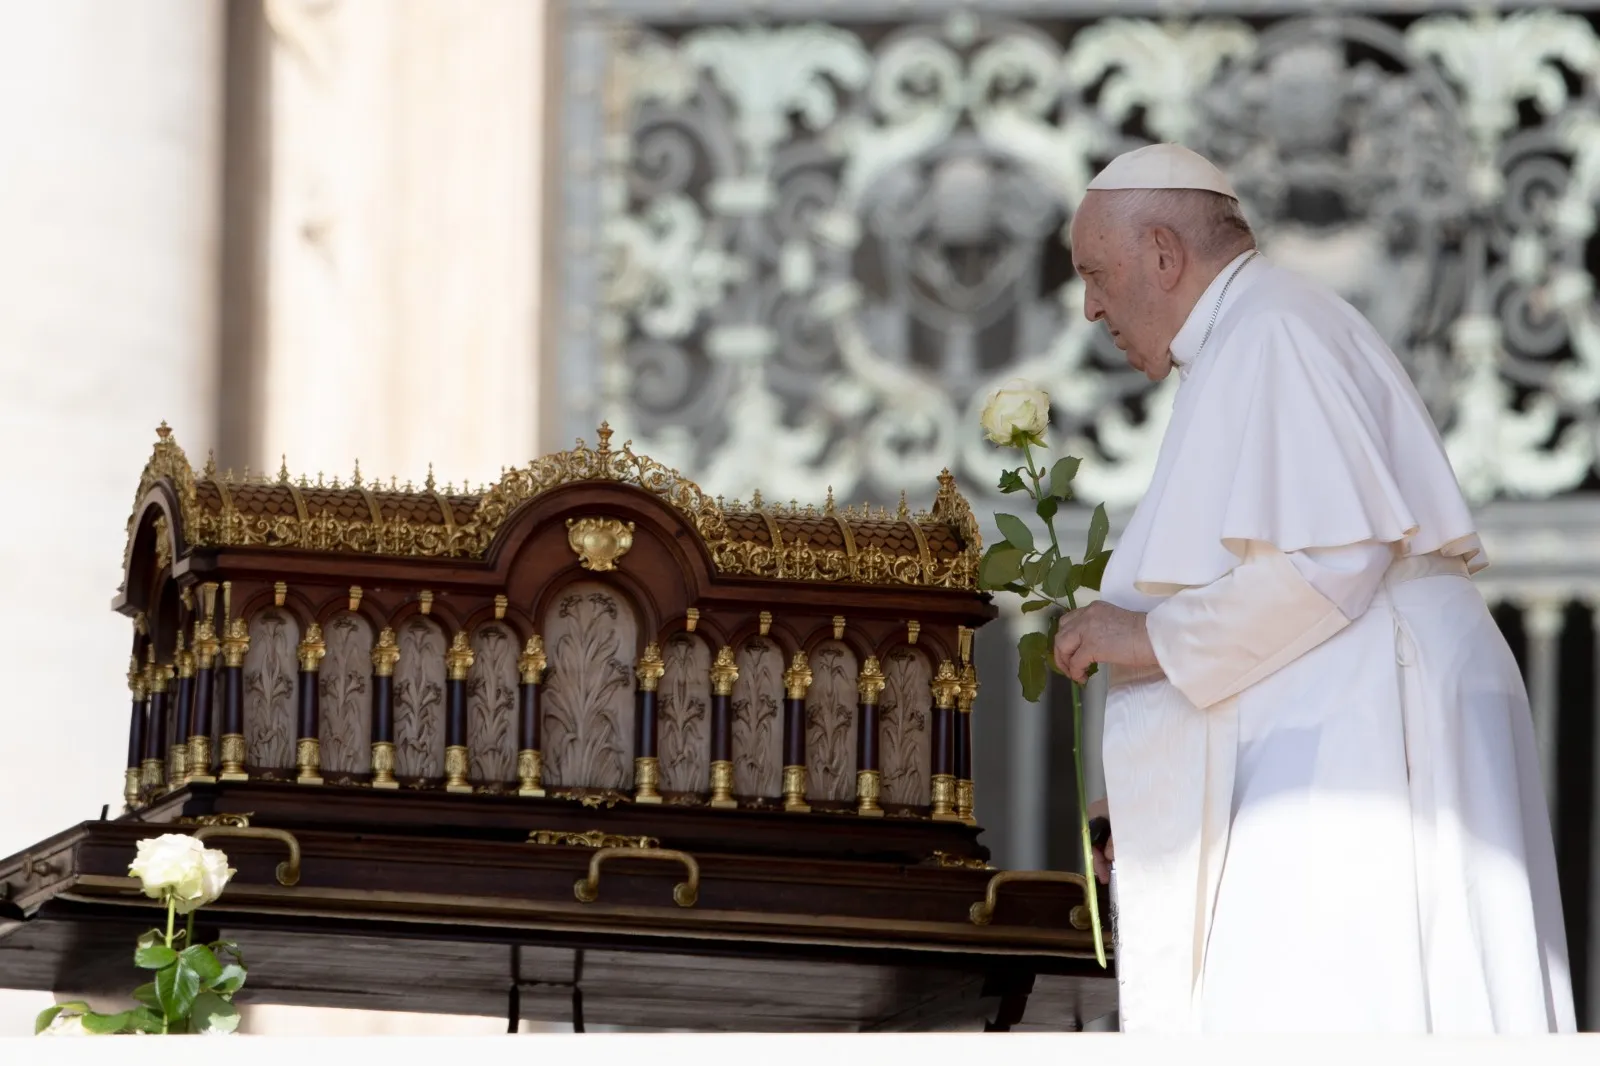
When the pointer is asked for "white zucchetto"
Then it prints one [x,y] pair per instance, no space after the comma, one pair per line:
[1163,166]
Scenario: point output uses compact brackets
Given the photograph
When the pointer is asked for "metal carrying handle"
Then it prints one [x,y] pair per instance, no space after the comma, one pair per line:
[982,912]
[684,893]
[288,870]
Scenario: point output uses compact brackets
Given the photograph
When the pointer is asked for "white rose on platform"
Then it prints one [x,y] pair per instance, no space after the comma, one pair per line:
[181,868]
[1016,407]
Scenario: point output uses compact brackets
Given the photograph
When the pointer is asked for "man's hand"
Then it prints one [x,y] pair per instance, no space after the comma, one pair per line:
[1101,633]
[1102,858]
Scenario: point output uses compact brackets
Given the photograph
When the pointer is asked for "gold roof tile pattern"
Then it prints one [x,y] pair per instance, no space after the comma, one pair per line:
[939,547]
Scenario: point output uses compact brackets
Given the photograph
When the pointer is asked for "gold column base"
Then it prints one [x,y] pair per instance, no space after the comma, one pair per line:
[233,758]
[646,773]
[944,798]
[869,786]
[150,771]
[964,801]
[383,765]
[455,769]
[178,764]
[722,786]
[308,761]
[530,768]
[130,787]
[199,767]
[794,790]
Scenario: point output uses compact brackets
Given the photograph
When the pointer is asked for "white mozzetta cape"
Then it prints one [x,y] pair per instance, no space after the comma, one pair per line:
[1326,803]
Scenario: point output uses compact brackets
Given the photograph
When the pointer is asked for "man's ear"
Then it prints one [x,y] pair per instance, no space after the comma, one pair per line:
[1170,257]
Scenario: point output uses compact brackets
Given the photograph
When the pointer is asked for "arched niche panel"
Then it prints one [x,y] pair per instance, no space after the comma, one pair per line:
[591,637]
[684,713]
[271,675]
[346,695]
[419,699]
[492,704]
[831,722]
[905,716]
[758,719]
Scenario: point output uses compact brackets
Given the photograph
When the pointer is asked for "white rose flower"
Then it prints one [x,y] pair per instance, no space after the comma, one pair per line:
[1016,406]
[181,868]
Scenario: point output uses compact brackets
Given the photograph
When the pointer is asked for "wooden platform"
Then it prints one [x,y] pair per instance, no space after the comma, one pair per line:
[422,901]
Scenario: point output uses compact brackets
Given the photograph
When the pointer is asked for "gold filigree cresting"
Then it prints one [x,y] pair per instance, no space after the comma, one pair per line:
[593,838]
[236,821]
[427,523]
[599,542]
[959,862]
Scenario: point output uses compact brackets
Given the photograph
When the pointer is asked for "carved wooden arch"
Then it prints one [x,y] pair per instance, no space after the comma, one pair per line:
[298,605]
[649,514]
[140,570]
[334,606]
[930,643]
[706,629]
[780,633]
[646,610]
[441,614]
[852,639]
[519,621]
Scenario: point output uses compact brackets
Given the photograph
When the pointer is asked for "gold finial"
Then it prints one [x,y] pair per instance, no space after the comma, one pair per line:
[430,485]
[385,653]
[766,622]
[500,605]
[246,478]
[724,672]
[304,482]
[905,511]
[355,597]
[946,686]
[228,477]
[394,483]
[797,678]
[964,643]
[458,660]
[210,469]
[755,500]
[319,479]
[604,433]
[336,483]
[827,507]
[913,631]
[410,488]
[650,667]
[838,627]
[869,683]
[280,593]
[283,470]
[450,488]
[312,649]
[163,431]
[532,663]
[691,619]
[969,688]
[426,598]
[355,478]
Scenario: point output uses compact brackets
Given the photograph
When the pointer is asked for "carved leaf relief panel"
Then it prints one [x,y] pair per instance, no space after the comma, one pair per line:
[492,704]
[591,635]
[905,711]
[346,684]
[758,720]
[685,715]
[270,675]
[419,700]
[831,723]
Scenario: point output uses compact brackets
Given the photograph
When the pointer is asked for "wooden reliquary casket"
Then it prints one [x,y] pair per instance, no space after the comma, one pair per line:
[585,709]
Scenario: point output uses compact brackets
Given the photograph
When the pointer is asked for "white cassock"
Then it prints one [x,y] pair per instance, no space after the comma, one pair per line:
[1326,803]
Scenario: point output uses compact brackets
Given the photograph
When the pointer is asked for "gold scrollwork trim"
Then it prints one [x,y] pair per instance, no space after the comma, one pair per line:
[593,838]
[959,862]
[237,821]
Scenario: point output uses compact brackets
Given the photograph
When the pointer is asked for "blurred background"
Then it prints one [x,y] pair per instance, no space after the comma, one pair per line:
[784,245]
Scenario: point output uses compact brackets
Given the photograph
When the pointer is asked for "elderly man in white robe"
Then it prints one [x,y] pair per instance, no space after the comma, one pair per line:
[1320,773]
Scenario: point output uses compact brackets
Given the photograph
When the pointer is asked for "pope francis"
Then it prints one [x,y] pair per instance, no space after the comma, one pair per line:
[1319,760]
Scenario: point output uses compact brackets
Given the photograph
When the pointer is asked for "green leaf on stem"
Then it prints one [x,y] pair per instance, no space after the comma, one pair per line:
[1015,530]
[1050,640]
[154,957]
[48,1015]
[145,1020]
[154,936]
[1099,526]
[1046,508]
[1001,565]
[1034,605]
[1033,572]
[1011,481]
[146,994]
[176,987]
[204,964]
[103,1024]
[213,1014]
[1058,582]
[1093,571]
[1033,665]
[231,981]
[1061,476]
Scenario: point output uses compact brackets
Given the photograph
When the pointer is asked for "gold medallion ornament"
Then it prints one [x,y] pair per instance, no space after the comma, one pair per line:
[599,542]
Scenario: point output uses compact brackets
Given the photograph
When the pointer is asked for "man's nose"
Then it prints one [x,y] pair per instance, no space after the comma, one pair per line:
[1092,310]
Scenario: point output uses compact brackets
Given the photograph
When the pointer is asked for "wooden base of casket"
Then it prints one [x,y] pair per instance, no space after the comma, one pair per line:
[423,901]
